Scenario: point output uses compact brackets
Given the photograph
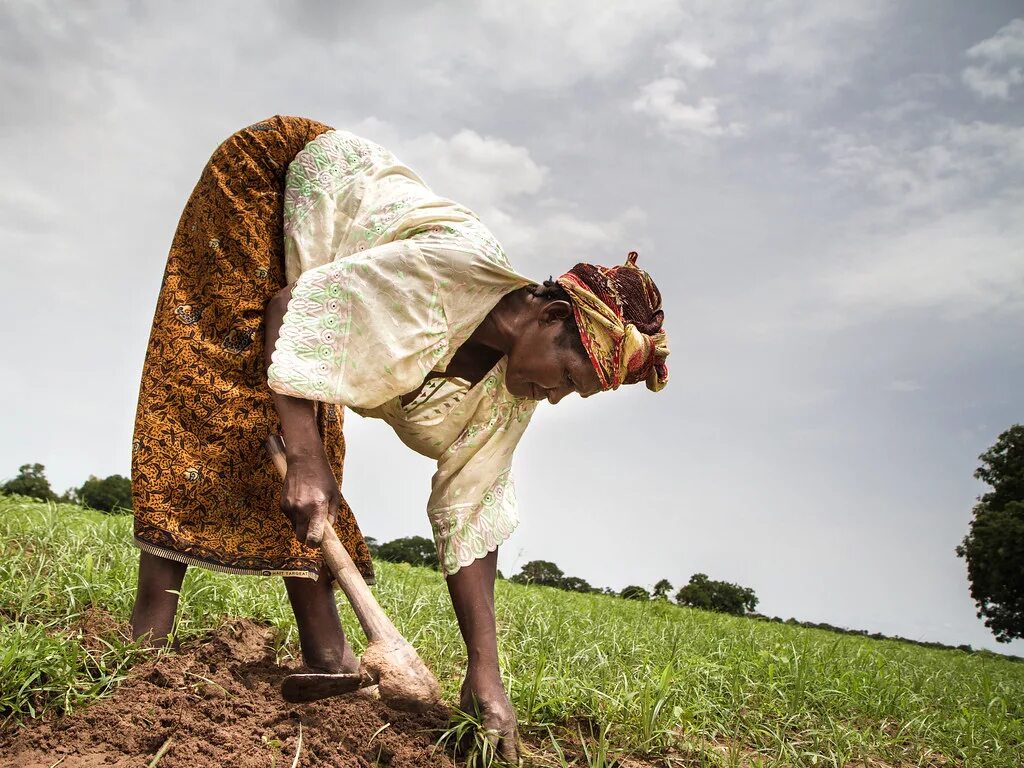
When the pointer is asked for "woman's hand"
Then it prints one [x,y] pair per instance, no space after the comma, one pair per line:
[484,695]
[310,497]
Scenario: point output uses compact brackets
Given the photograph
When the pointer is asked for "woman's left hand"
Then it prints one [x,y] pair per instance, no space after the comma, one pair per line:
[483,693]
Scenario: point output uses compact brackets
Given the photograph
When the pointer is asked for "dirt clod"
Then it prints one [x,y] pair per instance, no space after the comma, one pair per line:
[218,701]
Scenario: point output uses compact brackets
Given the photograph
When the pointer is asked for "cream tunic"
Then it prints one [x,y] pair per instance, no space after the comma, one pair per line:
[390,280]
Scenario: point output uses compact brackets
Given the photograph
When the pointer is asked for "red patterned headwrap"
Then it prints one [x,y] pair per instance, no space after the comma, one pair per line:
[618,311]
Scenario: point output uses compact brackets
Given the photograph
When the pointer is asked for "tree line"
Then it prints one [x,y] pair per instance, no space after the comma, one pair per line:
[107,494]
[700,592]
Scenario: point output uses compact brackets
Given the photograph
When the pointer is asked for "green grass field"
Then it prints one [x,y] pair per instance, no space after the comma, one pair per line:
[642,679]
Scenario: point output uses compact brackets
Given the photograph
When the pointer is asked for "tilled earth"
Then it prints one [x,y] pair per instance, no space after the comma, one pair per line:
[216,703]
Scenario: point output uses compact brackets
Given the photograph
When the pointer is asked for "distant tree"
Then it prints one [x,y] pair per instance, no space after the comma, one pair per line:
[575,584]
[721,596]
[373,545]
[542,572]
[633,592]
[609,591]
[70,496]
[994,545]
[31,481]
[111,494]
[661,589]
[415,550]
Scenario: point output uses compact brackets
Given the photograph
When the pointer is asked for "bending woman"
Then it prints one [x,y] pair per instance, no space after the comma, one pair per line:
[313,260]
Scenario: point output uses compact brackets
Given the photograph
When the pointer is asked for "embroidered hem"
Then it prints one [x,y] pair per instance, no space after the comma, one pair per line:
[467,533]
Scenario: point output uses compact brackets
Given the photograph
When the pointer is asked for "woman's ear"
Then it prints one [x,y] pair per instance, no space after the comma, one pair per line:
[555,311]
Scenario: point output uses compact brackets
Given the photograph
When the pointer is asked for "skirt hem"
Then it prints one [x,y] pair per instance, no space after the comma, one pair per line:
[170,554]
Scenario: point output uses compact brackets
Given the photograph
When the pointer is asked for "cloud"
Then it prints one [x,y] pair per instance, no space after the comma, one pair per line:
[914,168]
[484,173]
[801,41]
[658,100]
[934,223]
[543,44]
[511,47]
[805,44]
[684,55]
[27,211]
[501,182]
[960,264]
[903,386]
[999,63]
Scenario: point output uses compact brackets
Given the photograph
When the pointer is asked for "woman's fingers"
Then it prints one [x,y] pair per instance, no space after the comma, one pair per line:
[504,740]
[508,748]
[322,516]
[315,529]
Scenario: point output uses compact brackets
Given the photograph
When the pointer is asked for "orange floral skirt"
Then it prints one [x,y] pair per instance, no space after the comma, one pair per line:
[204,490]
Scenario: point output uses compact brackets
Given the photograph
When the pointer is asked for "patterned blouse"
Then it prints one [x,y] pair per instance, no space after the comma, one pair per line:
[390,280]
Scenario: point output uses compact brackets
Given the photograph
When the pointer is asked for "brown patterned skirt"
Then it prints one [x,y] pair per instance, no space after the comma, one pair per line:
[204,490]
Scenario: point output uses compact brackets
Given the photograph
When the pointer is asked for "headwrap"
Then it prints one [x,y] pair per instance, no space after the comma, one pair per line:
[618,312]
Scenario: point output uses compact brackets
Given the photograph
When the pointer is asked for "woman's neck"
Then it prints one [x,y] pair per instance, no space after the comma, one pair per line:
[500,327]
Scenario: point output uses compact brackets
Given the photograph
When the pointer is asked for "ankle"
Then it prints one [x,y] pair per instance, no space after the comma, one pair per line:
[332,660]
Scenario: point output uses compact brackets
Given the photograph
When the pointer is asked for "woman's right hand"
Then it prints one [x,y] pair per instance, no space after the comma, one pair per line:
[310,498]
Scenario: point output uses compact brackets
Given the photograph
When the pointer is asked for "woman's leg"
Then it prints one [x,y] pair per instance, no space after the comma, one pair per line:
[324,648]
[156,599]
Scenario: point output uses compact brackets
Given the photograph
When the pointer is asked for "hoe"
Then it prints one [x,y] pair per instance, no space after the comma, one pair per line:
[403,680]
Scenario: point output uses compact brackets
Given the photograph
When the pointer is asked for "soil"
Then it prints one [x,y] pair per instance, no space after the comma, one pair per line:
[216,703]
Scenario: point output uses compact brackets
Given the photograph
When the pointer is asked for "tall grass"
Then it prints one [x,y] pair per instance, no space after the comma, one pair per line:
[644,678]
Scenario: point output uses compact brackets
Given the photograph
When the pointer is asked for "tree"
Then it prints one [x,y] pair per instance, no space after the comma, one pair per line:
[721,596]
[633,592]
[372,545]
[542,572]
[661,589]
[994,545]
[31,481]
[70,496]
[575,584]
[415,550]
[111,494]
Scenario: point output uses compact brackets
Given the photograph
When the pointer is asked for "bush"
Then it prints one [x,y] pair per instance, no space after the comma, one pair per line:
[576,584]
[542,572]
[721,596]
[415,550]
[31,481]
[111,494]
[633,592]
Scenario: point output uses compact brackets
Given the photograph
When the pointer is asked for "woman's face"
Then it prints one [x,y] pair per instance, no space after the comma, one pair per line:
[542,367]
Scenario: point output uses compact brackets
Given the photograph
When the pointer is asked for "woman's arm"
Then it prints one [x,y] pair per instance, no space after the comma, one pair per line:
[310,498]
[472,591]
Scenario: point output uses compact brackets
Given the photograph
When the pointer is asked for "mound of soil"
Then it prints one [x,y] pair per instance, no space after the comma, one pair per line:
[215,703]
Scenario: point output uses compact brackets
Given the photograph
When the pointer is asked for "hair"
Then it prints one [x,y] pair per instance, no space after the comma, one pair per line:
[570,333]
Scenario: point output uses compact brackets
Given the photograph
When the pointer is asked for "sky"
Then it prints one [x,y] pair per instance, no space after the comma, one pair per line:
[828,195]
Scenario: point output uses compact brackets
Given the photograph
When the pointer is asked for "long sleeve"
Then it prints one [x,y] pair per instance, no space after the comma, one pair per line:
[363,329]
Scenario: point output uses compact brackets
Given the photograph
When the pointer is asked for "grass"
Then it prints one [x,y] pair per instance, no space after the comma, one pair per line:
[592,677]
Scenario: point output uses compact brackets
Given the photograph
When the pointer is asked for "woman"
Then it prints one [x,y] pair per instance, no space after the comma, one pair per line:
[313,260]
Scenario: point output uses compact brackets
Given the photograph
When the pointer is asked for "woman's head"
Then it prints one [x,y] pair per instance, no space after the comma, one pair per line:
[594,328]
[619,316]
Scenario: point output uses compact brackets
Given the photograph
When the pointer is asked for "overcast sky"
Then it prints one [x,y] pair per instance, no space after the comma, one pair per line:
[829,196]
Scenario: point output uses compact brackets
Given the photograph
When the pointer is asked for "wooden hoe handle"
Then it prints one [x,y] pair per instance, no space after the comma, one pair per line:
[372,618]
